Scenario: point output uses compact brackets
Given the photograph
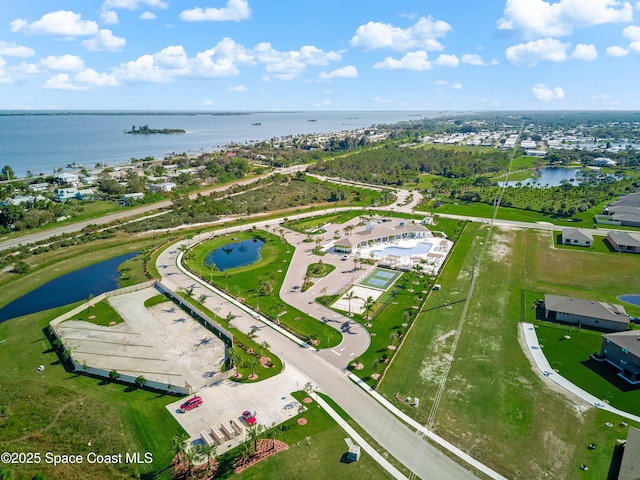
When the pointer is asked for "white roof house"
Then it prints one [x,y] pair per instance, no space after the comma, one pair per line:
[577,236]
[162,187]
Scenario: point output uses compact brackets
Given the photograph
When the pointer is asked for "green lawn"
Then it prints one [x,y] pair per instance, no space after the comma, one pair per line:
[572,358]
[315,449]
[62,412]
[494,405]
[102,313]
[244,282]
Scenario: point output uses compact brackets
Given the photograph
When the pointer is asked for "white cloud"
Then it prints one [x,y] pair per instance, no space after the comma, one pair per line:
[91,78]
[68,63]
[235,10]
[441,82]
[632,32]
[62,81]
[148,16]
[133,4]
[110,17]
[104,40]
[85,80]
[615,51]
[457,86]
[208,103]
[445,60]
[475,59]
[416,61]
[237,88]
[14,50]
[62,23]
[422,35]
[345,72]
[585,52]
[541,18]
[382,100]
[224,59]
[530,53]
[542,93]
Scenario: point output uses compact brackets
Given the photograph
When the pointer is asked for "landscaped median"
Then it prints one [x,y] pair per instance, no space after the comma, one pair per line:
[254,285]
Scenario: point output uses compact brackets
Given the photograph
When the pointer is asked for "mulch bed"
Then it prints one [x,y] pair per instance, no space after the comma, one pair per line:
[180,469]
[265,449]
[302,421]
[307,400]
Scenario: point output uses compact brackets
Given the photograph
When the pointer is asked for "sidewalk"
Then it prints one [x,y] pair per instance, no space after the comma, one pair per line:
[359,440]
[424,430]
[531,339]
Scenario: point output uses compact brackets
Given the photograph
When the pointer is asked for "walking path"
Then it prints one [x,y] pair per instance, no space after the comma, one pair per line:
[531,340]
[359,440]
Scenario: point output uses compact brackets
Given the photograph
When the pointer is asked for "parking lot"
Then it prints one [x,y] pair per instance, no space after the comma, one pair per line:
[269,399]
[161,343]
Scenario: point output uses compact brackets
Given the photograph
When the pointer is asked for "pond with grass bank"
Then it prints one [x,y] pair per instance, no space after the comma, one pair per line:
[73,287]
[234,255]
[632,298]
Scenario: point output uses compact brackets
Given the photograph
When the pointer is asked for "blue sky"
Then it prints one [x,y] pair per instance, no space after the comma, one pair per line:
[320,55]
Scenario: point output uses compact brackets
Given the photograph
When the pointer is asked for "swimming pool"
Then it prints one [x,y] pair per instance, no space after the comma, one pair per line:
[420,248]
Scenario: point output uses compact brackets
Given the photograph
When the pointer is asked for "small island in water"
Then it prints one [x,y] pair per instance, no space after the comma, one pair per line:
[145,130]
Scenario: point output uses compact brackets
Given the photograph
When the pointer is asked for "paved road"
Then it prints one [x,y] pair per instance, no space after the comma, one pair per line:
[126,213]
[400,441]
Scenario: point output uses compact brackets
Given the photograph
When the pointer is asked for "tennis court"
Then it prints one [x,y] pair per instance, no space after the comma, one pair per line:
[381,278]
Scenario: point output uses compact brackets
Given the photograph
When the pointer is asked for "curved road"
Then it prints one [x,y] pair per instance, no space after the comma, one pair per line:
[324,369]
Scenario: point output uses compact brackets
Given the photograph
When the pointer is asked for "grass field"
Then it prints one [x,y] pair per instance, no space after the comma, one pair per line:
[315,450]
[494,405]
[572,358]
[62,412]
[244,282]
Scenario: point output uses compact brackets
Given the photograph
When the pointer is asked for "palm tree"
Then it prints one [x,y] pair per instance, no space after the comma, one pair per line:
[350,296]
[140,381]
[253,364]
[202,298]
[368,305]
[114,375]
[209,452]
[236,360]
[253,434]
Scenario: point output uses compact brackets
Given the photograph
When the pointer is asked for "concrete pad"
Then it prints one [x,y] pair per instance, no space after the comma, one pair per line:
[227,400]
[357,303]
[161,343]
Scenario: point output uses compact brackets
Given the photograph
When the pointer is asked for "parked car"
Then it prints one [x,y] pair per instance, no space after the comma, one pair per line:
[191,404]
[249,417]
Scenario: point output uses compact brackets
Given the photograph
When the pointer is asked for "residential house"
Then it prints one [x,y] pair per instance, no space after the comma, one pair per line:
[128,198]
[39,187]
[162,187]
[66,177]
[585,313]
[625,211]
[622,350]
[604,162]
[65,194]
[625,241]
[25,200]
[630,466]
[577,236]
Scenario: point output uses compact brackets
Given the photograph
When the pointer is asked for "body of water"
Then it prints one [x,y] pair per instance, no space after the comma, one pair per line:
[233,255]
[633,298]
[42,141]
[549,177]
[72,287]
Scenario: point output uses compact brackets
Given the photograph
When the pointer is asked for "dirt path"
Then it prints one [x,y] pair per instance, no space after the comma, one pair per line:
[51,424]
